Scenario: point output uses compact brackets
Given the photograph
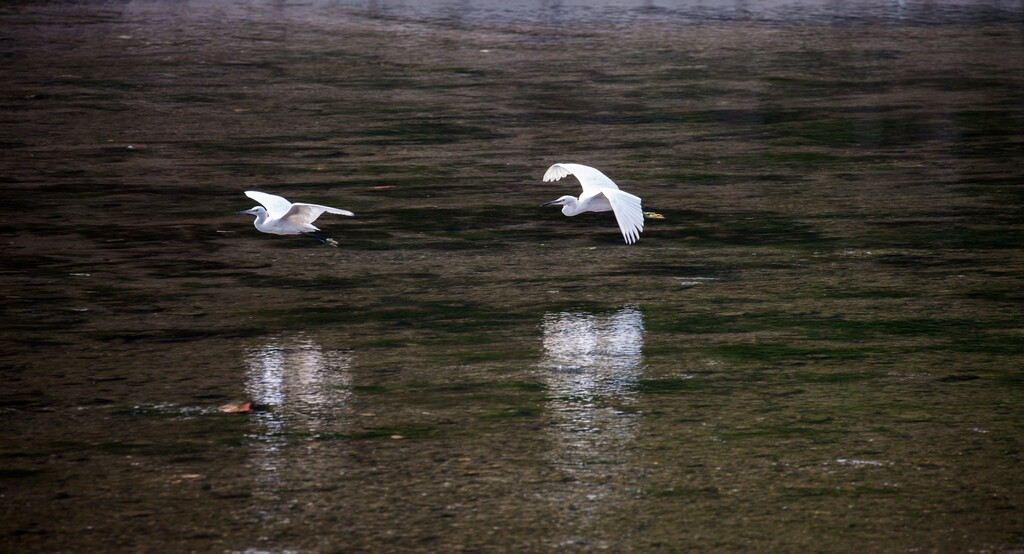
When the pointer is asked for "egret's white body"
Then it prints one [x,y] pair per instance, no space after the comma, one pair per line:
[278,216]
[600,194]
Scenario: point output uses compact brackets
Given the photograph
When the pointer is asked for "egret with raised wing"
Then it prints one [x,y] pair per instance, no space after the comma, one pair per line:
[278,216]
[600,194]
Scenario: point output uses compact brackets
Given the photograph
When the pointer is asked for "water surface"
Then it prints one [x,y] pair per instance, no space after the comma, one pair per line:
[818,348]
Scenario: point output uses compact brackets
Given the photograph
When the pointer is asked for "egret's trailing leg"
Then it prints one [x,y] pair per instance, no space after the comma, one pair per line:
[322,240]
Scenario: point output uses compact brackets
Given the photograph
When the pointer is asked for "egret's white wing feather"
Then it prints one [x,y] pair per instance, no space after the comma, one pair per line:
[590,178]
[556,172]
[628,213]
[336,211]
[301,213]
[276,206]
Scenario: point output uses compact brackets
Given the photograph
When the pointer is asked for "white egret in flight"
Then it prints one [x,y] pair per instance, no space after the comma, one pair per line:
[280,217]
[600,194]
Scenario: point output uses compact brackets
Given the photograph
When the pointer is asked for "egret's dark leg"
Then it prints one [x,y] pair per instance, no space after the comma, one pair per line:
[321,240]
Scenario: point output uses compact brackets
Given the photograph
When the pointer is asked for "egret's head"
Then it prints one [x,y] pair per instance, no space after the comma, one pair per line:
[559,202]
[254,211]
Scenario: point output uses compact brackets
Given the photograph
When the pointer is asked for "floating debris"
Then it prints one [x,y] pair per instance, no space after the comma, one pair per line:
[240,408]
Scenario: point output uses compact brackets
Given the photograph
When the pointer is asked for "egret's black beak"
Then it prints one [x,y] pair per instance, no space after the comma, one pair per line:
[552,203]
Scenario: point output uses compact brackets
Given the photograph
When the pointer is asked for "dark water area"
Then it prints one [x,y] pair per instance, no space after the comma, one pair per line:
[817,348]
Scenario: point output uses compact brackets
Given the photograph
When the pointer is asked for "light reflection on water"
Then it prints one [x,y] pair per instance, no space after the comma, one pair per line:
[592,364]
[298,389]
[593,355]
[298,383]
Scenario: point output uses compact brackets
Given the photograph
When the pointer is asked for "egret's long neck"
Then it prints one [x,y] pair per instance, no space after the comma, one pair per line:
[571,207]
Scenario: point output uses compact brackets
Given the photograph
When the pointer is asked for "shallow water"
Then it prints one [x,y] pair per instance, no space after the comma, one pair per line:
[819,348]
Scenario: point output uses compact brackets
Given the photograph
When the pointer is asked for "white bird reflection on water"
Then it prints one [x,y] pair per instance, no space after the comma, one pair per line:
[298,384]
[298,389]
[592,364]
[593,355]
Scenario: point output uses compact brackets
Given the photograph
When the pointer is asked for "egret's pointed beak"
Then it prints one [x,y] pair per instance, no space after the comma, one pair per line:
[250,211]
[552,203]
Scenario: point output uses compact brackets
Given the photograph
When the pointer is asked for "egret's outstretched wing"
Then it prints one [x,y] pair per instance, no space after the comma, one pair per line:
[591,179]
[307,213]
[628,213]
[275,205]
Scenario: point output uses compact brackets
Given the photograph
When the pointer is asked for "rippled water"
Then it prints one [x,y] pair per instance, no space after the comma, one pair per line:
[818,348]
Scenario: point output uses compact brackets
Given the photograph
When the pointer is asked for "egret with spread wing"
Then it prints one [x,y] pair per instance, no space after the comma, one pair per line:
[600,194]
[280,217]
